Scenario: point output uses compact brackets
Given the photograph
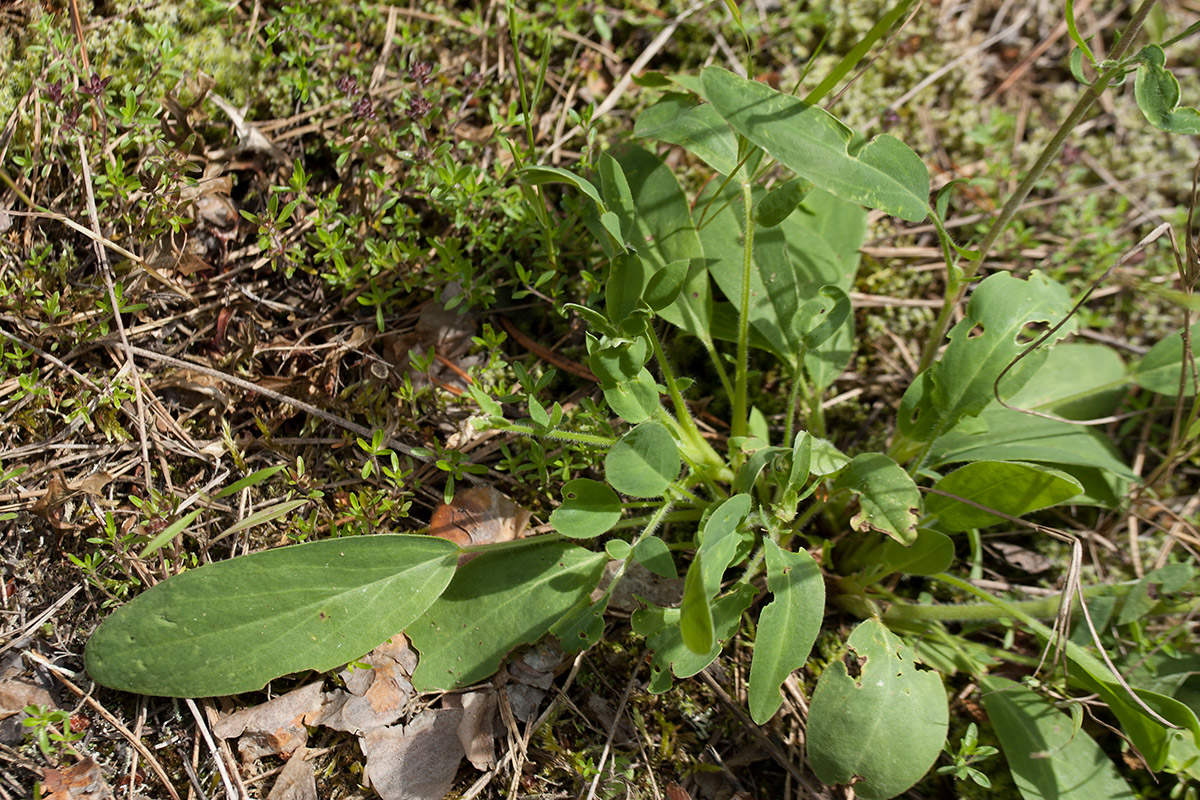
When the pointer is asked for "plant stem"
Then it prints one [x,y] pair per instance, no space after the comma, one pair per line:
[566,436]
[957,287]
[703,451]
[740,422]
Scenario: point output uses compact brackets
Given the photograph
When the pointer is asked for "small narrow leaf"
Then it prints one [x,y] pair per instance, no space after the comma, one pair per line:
[230,627]
[262,515]
[252,479]
[168,533]
[787,627]
[665,284]
[695,615]
[535,176]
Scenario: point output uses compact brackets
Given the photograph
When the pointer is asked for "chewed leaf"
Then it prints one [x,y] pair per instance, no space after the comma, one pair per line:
[1157,93]
[589,509]
[876,716]
[885,174]
[204,632]
[890,501]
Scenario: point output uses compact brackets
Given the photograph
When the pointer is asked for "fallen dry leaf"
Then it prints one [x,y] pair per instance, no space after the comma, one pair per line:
[16,694]
[476,731]
[373,697]
[296,781]
[417,761]
[82,781]
[276,727]
[479,515]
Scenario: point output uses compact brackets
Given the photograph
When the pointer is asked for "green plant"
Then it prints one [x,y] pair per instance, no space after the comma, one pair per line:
[50,730]
[762,259]
[969,752]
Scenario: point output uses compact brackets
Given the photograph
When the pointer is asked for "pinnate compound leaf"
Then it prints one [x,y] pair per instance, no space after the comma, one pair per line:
[643,462]
[1157,93]
[500,600]
[890,500]
[1010,487]
[1048,757]
[787,627]
[589,508]
[230,627]
[885,174]
[960,384]
[680,119]
[876,716]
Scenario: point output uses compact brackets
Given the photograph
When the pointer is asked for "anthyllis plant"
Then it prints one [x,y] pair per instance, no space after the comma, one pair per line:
[763,257]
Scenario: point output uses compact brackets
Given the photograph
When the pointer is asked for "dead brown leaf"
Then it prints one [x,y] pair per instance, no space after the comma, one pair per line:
[275,727]
[479,515]
[417,761]
[83,781]
[373,697]
[476,730]
[16,694]
[296,781]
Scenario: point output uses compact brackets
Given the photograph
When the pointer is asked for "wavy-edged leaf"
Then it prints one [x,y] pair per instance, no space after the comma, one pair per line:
[230,627]
[787,626]
[1157,93]
[890,501]
[885,174]
[500,600]
[960,384]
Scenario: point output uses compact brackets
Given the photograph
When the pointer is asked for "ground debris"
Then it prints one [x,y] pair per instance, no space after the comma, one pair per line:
[82,781]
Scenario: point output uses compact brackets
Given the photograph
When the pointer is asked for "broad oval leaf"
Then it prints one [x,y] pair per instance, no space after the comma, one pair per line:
[1013,488]
[875,716]
[230,627]
[633,400]
[885,174]
[589,508]
[787,626]
[500,600]
[781,201]
[890,501]
[643,462]
[931,553]
[1047,755]
[653,554]
[665,284]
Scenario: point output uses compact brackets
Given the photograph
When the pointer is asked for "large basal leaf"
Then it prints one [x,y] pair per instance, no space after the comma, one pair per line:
[876,717]
[1076,381]
[500,600]
[230,627]
[681,119]
[931,553]
[1159,369]
[961,383]
[1049,757]
[885,174]
[663,233]
[890,501]
[787,626]
[1009,487]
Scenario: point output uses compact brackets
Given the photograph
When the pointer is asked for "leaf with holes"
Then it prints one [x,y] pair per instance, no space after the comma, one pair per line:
[877,717]
[890,501]
[589,508]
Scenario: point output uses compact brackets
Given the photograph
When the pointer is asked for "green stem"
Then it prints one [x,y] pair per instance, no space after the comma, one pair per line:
[957,287]
[566,436]
[740,423]
[703,452]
